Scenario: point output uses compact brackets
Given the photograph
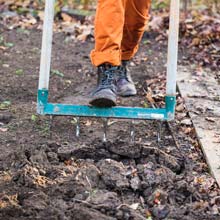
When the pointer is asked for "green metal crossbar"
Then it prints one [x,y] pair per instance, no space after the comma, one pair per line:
[46,108]
[166,113]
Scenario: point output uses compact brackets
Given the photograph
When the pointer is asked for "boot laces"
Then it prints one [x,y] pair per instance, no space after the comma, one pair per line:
[107,78]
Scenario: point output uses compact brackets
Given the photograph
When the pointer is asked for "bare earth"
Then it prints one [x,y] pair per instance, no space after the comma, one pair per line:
[54,175]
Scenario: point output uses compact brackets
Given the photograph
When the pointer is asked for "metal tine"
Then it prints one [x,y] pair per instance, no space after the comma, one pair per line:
[159,131]
[132,131]
[105,128]
[77,126]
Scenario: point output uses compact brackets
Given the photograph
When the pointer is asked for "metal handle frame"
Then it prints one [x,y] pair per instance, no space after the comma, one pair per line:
[166,113]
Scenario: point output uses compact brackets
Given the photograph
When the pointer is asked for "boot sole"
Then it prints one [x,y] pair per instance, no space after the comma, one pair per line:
[102,102]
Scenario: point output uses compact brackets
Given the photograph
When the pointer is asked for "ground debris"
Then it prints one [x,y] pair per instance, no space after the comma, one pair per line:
[174,163]
[113,174]
[126,150]
[30,176]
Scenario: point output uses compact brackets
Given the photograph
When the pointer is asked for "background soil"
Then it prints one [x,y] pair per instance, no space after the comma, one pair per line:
[54,175]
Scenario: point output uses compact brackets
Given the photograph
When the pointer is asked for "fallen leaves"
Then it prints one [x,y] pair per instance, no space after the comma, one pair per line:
[5,176]
[155,90]
[201,34]
[8,200]
[204,182]
[27,15]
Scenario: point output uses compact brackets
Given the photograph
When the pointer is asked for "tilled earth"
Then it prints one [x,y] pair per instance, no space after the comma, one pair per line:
[48,173]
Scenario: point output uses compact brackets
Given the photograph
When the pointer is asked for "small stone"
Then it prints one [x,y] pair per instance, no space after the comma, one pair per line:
[135,183]
[132,64]
[186,122]
[5,65]
[134,206]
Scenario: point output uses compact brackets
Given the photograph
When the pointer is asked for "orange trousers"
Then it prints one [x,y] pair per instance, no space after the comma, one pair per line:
[119,27]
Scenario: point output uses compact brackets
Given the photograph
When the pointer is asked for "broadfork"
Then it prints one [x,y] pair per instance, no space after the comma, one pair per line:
[161,114]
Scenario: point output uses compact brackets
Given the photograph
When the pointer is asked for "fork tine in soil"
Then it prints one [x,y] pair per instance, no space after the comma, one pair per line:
[105,129]
[132,131]
[159,131]
[77,126]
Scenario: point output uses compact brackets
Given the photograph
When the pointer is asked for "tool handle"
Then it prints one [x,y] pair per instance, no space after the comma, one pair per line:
[46,45]
[173,48]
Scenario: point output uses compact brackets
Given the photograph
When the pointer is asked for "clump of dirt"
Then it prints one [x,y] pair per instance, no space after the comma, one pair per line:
[55,175]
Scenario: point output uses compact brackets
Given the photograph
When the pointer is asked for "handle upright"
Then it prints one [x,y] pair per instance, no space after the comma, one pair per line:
[173,48]
[46,45]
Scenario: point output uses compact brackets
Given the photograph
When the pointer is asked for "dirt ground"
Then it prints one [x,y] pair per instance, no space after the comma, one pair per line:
[51,174]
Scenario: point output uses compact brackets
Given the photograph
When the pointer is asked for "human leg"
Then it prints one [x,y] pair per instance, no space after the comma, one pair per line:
[109,24]
[136,17]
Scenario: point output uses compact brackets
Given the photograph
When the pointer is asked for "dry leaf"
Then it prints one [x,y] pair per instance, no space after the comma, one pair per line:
[149,98]
[134,206]
[66,17]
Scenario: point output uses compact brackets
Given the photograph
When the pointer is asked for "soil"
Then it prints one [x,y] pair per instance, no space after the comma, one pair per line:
[46,172]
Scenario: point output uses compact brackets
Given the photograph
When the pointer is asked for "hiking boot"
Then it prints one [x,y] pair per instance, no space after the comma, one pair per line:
[125,85]
[105,92]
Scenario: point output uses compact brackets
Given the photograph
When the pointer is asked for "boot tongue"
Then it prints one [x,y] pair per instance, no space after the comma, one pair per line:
[106,77]
[108,66]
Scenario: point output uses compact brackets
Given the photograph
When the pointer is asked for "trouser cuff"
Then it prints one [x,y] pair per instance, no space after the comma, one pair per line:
[128,55]
[112,57]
